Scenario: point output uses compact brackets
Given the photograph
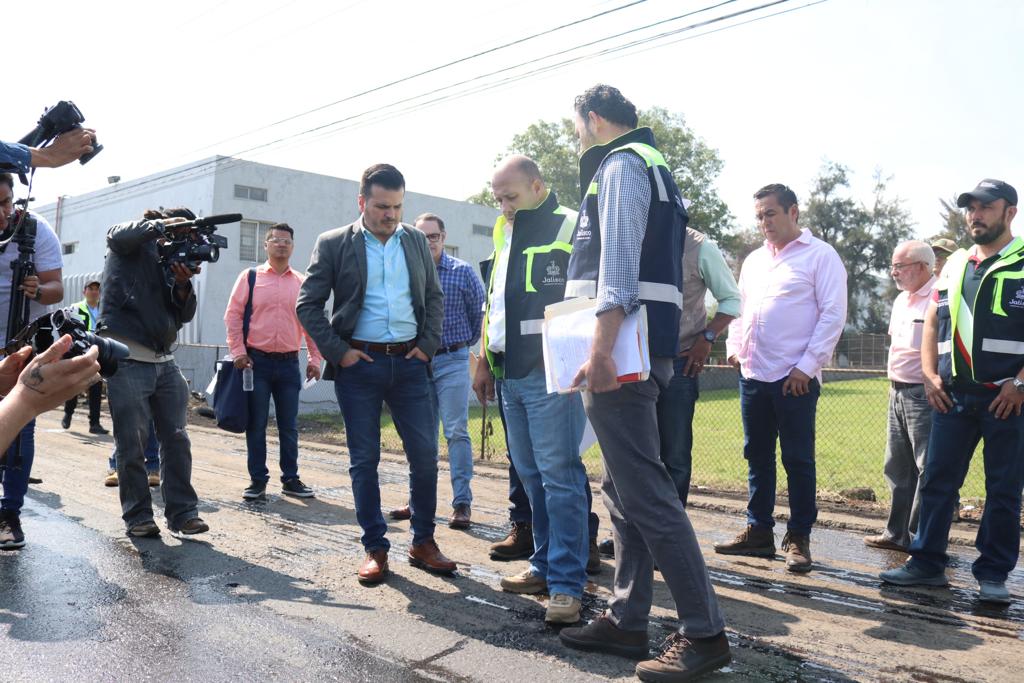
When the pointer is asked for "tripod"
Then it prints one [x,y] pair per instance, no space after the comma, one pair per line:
[24,235]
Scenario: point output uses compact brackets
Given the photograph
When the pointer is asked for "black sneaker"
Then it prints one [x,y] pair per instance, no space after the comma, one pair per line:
[97,429]
[601,635]
[11,535]
[65,421]
[255,490]
[296,489]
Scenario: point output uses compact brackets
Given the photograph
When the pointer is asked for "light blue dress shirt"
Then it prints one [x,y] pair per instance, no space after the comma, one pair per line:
[387,314]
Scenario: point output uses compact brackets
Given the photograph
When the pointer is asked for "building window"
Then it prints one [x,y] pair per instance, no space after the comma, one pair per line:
[451,250]
[68,248]
[250,241]
[484,230]
[258,194]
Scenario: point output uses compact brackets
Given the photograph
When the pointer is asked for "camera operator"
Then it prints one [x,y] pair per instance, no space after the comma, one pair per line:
[66,148]
[41,289]
[144,303]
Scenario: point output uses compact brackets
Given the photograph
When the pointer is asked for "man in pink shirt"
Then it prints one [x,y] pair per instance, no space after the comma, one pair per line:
[272,351]
[793,292]
[910,416]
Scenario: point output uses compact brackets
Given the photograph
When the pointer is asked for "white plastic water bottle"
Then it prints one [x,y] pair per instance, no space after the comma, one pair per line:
[247,379]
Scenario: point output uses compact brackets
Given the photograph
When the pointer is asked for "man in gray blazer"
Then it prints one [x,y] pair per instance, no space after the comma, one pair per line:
[384,328]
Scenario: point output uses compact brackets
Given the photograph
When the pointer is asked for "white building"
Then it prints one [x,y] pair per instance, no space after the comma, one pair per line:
[310,203]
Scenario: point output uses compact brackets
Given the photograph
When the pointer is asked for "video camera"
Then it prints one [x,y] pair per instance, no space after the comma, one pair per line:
[57,120]
[199,244]
[46,329]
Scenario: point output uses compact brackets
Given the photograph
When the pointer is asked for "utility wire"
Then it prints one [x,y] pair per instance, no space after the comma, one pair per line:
[204,167]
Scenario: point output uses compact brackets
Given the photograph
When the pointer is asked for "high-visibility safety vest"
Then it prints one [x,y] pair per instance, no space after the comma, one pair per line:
[82,309]
[661,255]
[991,339]
[537,264]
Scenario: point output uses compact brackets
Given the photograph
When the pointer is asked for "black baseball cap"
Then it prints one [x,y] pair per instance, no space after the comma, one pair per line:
[989,190]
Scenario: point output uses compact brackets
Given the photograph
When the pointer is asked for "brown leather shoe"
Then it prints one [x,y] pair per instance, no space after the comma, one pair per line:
[594,559]
[460,517]
[756,541]
[517,545]
[685,660]
[884,542]
[401,514]
[798,552]
[375,567]
[428,556]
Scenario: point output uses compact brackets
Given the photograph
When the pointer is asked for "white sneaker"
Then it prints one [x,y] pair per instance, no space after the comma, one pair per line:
[563,609]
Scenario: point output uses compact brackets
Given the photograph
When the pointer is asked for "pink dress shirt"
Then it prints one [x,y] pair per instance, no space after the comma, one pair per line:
[793,309]
[274,327]
[905,325]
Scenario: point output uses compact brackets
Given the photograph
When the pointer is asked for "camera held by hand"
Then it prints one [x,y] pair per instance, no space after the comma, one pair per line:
[42,332]
[194,242]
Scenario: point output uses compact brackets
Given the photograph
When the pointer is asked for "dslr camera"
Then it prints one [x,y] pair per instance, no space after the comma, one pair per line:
[46,329]
[194,242]
[57,120]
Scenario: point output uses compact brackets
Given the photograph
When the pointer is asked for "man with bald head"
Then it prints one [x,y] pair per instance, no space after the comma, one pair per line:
[525,273]
[910,416]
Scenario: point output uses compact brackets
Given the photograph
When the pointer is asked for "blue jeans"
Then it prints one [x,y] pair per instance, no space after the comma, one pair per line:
[281,379]
[767,416]
[675,426]
[141,394]
[152,452]
[407,388]
[15,481]
[954,436]
[451,382]
[544,432]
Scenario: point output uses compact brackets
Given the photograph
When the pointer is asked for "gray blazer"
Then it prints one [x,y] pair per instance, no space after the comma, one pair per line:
[338,266]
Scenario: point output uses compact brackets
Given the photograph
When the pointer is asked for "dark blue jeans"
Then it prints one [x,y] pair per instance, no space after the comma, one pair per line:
[406,386]
[151,452]
[15,481]
[675,426]
[281,379]
[954,436]
[520,512]
[769,416]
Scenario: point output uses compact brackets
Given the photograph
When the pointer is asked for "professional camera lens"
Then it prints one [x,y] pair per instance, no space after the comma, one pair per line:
[110,351]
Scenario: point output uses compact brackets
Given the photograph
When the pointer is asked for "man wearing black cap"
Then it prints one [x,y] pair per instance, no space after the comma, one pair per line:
[972,355]
[88,309]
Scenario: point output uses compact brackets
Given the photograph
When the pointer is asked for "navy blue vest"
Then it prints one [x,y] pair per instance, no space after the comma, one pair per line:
[661,255]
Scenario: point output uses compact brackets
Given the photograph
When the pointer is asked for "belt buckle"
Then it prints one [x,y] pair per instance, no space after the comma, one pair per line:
[387,348]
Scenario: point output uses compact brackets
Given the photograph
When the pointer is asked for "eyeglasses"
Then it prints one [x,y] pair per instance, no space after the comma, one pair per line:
[434,237]
[279,240]
[901,266]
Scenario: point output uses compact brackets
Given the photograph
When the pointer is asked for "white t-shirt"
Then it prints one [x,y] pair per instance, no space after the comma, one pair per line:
[47,257]
[496,316]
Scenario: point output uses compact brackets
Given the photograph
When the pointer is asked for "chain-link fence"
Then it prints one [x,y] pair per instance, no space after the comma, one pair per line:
[850,437]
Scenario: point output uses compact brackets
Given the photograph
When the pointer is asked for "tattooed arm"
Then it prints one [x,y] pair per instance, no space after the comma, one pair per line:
[47,382]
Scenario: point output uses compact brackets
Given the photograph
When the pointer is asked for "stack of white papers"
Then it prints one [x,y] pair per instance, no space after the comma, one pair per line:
[568,335]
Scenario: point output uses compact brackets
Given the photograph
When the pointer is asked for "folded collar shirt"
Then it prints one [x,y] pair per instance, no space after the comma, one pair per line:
[387,314]
[274,327]
[906,324]
[793,309]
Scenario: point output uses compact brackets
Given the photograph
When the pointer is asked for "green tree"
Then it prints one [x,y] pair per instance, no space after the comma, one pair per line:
[864,236]
[954,225]
[694,165]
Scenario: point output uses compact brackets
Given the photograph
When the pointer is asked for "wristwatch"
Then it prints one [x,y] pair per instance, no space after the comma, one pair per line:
[1018,384]
[711,336]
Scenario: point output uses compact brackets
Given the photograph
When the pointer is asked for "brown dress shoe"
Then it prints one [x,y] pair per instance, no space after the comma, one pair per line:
[884,542]
[460,517]
[428,556]
[517,545]
[375,567]
[798,552]
[401,514]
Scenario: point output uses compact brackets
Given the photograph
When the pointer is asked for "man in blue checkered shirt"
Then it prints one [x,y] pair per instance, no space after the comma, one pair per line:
[463,314]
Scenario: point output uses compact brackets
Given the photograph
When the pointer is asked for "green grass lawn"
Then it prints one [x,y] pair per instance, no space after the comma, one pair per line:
[850,440]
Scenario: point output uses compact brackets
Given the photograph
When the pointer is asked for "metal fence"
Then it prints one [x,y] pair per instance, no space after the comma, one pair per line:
[850,432]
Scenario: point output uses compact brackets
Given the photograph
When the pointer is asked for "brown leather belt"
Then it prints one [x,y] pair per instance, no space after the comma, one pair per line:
[387,348]
[904,385]
[450,349]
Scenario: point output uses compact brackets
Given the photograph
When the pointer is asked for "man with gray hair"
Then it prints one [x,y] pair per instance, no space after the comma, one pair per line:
[910,416]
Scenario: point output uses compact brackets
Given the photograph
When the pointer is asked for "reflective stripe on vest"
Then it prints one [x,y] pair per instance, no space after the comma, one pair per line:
[651,157]
[531,326]
[1003,346]
[563,242]
[649,291]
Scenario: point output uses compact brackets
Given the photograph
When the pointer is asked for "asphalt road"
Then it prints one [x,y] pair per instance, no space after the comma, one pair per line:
[270,593]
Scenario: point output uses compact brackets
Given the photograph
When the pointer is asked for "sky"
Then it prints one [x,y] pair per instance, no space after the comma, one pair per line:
[926,92]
